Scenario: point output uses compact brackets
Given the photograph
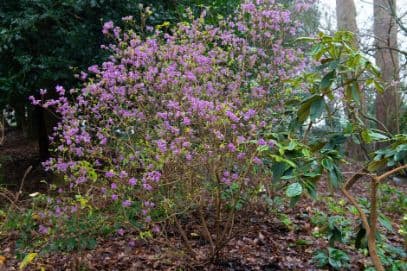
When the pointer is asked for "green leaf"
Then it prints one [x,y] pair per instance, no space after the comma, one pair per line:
[385,222]
[327,163]
[366,136]
[278,158]
[293,190]
[27,260]
[317,107]
[379,87]
[327,80]
[376,165]
[334,177]
[304,111]
[355,92]
[278,170]
[375,136]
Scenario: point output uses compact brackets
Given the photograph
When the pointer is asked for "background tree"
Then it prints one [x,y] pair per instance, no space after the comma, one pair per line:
[385,34]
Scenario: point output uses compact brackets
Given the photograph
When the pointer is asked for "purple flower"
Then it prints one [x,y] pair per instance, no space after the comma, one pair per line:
[74,209]
[147,187]
[257,161]
[231,147]
[126,203]
[132,181]
[123,174]
[249,114]
[115,197]
[107,26]
[241,139]
[60,90]
[241,155]
[271,143]
[109,174]
[43,230]
[113,186]
[121,232]
[186,121]
[261,142]
[232,116]
[156,229]
[162,145]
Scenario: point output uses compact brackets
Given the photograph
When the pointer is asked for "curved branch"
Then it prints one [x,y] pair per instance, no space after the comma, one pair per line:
[391,172]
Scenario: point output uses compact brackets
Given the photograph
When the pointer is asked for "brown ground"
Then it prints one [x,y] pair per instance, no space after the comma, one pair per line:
[17,154]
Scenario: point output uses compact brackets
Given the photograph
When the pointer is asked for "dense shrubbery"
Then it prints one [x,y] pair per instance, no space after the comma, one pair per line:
[175,122]
[196,123]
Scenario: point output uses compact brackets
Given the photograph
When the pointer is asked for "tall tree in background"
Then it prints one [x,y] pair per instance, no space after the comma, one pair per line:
[346,21]
[346,16]
[385,32]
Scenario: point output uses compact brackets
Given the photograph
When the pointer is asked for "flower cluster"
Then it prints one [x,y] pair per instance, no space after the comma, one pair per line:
[169,116]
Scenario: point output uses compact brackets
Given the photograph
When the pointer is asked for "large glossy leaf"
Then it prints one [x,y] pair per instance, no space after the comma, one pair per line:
[278,170]
[294,190]
[304,110]
[327,80]
[317,107]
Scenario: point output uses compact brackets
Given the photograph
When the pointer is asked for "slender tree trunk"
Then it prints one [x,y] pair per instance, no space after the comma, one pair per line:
[346,21]
[385,31]
[42,133]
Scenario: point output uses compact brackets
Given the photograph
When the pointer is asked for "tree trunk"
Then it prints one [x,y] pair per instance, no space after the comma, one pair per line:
[42,133]
[346,17]
[346,21]
[385,32]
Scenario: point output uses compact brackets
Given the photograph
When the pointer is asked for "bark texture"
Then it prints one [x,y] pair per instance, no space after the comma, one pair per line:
[385,32]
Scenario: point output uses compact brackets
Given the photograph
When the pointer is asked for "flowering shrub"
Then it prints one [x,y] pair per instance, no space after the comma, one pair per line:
[174,122]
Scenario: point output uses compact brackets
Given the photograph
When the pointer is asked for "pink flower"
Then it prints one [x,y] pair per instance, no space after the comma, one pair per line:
[43,230]
[121,232]
[126,203]
[257,161]
[132,181]
[107,26]
[231,147]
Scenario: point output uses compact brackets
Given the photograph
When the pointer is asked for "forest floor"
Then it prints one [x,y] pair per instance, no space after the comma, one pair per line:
[281,238]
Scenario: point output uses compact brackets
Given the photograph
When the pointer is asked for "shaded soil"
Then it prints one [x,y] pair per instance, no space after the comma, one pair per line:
[261,242]
[17,154]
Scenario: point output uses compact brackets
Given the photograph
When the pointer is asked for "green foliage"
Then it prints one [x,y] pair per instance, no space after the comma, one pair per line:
[332,257]
[393,155]
[392,199]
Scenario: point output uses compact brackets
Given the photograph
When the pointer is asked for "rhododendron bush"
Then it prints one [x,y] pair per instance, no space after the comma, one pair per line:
[174,122]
